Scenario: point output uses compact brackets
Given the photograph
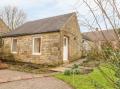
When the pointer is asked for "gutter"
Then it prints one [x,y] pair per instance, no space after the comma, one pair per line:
[25,34]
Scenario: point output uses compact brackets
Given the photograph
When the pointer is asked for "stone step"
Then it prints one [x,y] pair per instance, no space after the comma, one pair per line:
[64,67]
[78,62]
[59,69]
[82,69]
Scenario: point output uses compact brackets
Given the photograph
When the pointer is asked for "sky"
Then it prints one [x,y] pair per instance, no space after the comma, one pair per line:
[38,9]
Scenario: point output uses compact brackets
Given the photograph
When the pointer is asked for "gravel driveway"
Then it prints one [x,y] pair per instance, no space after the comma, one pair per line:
[36,83]
[9,75]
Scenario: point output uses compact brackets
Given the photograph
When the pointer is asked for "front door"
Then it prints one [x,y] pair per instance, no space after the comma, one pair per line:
[65,49]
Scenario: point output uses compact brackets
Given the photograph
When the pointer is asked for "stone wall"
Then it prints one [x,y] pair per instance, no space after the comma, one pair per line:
[72,31]
[3,27]
[50,48]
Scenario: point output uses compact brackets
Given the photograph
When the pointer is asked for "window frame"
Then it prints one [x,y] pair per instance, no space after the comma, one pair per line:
[13,46]
[33,50]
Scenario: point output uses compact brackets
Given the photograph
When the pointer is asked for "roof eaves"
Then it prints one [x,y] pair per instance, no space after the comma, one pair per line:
[24,34]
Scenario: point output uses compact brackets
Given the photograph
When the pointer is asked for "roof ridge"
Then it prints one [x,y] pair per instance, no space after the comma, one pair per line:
[97,31]
[50,24]
[51,17]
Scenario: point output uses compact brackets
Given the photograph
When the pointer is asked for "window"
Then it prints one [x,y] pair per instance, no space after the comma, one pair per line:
[14,46]
[36,46]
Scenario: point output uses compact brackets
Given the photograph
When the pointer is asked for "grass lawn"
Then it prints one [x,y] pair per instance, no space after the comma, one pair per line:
[89,80]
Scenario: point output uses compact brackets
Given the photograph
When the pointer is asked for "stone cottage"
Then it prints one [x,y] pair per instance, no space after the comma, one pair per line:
[53,40]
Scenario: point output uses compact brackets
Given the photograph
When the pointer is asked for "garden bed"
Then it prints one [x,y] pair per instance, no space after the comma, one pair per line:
[3,65]
[28,67]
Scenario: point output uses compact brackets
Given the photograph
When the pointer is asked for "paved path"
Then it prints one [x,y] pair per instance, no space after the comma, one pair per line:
[64,67]
[37,83]
[9,75]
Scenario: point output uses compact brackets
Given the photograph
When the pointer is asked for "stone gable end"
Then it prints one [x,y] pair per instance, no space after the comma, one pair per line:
[3,27]
[72,31]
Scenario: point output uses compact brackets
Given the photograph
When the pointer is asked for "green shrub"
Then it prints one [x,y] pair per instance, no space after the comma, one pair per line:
[75,66]
[72,71]
[76,71]
[94,55]
[67,72]
[118,84]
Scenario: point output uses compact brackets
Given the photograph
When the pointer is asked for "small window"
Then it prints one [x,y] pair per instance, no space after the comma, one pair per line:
[14,46]
[36,46]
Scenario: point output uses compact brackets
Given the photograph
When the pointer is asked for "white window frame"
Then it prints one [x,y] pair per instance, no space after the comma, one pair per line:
[33,53]
[12,46]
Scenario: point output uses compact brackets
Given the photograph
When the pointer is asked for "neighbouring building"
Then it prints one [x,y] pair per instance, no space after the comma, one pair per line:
[87,43]
[50,41]
[99,38]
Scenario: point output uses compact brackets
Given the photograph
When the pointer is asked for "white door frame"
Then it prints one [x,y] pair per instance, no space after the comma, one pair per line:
[65,48]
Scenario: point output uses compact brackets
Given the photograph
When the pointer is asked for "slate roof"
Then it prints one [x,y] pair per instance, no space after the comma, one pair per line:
[51,24]
[110,35]
[85,37]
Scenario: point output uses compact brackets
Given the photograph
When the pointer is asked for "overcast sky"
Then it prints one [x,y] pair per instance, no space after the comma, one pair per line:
[37,9]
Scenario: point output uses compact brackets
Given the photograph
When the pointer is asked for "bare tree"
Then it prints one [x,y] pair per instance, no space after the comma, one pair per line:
[13,16]
[106,13]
